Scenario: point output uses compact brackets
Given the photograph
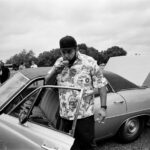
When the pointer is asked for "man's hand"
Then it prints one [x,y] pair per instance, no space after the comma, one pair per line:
[100,115]
[87,93]
[59,67]
[50,78]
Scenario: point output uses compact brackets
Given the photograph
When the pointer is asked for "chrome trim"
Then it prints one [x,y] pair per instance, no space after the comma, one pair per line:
[60,87]
[24,75]
[119,101]
[132,113]
[47,148]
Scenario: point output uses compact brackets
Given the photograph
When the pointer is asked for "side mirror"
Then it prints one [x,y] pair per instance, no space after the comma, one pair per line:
[23,117]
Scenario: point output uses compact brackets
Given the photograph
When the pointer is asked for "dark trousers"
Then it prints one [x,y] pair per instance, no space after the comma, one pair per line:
[84,133]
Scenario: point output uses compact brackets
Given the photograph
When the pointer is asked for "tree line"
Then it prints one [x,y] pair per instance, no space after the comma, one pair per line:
[48,58]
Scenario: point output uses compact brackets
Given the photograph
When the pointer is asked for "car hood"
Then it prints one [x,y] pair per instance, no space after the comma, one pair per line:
[136,69]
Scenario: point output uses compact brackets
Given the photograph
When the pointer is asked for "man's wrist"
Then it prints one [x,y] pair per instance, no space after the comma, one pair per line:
[105,107]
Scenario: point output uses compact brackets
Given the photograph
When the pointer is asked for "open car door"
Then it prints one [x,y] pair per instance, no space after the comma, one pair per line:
[38,125]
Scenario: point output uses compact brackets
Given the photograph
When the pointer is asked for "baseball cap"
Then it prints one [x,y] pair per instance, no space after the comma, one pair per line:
[67,42]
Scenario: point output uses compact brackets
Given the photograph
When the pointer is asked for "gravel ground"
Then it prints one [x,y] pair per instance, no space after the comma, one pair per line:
[142,143]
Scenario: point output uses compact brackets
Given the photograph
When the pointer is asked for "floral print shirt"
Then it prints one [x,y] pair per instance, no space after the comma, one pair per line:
[85,73]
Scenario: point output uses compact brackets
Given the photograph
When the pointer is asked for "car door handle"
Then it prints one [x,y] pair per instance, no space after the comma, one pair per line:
[48,148]
[118,101]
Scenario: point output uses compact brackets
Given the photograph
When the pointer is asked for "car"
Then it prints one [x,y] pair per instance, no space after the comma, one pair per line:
[29,111]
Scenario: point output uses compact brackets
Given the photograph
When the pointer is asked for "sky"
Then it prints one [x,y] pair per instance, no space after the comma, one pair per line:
[38,25]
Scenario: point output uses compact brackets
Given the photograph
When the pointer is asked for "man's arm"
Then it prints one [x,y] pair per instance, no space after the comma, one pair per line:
[99,83]
[101,114]
[50,78]
[103,95]
[56,69]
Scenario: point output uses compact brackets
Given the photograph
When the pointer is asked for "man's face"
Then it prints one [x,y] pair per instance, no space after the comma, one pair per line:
[68,54]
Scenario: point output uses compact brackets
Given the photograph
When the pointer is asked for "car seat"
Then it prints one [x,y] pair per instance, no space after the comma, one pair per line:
[49,105]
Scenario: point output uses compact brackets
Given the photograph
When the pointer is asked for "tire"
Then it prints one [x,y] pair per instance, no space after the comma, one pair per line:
[130,130]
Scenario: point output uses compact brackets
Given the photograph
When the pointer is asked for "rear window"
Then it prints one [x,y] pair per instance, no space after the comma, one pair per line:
[119,83]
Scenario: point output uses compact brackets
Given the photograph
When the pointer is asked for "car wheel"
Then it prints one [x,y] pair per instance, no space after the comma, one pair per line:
[130,130]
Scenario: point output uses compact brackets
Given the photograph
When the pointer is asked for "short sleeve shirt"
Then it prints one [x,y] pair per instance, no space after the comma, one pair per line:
[85,73]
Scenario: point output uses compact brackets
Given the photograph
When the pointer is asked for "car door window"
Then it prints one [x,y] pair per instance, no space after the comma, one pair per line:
[24,105]
[35,84]
[43,106]
[31,87]
[109,88]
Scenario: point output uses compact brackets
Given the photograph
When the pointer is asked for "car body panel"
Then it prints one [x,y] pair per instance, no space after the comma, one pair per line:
[12,137]
[140,103]
[116,107]
[31,136]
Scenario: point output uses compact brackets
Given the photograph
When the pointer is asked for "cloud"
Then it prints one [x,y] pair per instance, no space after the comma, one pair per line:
[39,24]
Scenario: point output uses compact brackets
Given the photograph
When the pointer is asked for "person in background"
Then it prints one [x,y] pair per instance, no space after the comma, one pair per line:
[74,69]
[15,67]
[4,73]
[33,65]
[22,66]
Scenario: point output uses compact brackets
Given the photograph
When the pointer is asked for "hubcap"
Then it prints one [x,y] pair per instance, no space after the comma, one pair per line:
[132,126]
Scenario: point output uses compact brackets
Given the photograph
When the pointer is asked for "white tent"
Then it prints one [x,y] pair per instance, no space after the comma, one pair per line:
[134,68]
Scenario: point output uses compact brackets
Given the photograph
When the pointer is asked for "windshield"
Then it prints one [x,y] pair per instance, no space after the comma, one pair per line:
[12,85]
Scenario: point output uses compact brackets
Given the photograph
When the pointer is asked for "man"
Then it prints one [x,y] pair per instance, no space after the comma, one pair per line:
[78,70]
[5,73]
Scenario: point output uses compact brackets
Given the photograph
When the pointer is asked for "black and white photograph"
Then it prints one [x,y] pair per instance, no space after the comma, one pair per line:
[74,75]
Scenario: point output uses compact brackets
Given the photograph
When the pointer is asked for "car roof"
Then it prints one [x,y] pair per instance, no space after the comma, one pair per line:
[116,81]
[32,73]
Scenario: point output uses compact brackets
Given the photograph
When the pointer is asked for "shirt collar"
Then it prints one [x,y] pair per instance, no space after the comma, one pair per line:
[79,57]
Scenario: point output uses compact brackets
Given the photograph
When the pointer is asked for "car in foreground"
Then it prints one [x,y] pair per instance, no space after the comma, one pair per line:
[29,117]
